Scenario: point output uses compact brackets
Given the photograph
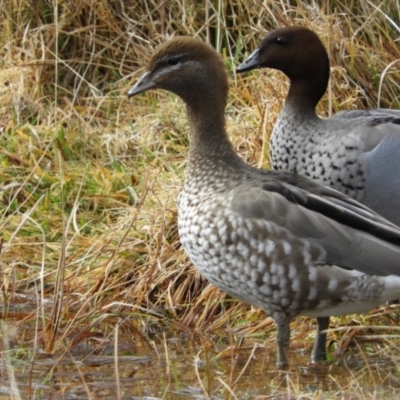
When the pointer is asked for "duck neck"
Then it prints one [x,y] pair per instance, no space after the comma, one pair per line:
[307,89]
[208,136]
[304,96]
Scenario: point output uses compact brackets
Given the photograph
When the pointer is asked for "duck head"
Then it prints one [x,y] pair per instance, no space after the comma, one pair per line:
[300,55]
[187,67]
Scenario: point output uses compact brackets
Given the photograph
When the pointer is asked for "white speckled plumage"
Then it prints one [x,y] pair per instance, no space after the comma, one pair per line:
[272,239]
[356,152]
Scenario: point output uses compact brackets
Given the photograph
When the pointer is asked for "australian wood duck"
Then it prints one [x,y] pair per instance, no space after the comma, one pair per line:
[356,152]
[273,239]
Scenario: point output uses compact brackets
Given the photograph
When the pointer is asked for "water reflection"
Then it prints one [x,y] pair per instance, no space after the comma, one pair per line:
[173,363]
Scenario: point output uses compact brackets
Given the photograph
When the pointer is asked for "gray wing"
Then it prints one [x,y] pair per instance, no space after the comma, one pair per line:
[377,114]
[349,238]
[380,139]
[300,189]
[382,192]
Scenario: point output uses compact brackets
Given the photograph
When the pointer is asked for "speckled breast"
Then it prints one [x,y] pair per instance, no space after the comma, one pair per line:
[249,259]
[338,164]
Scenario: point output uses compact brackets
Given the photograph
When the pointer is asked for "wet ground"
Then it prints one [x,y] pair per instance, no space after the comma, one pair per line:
[148,357]
[187,369]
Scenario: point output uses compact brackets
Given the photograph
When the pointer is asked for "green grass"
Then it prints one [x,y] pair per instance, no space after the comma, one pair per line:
[88,188]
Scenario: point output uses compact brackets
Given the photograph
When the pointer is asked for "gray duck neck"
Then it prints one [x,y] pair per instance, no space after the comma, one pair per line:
[208,137]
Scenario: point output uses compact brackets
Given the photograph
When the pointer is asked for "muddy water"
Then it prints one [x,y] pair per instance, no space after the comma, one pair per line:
[183,368]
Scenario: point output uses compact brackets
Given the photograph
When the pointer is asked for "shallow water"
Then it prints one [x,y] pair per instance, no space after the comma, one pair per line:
[147,357]
[181,368]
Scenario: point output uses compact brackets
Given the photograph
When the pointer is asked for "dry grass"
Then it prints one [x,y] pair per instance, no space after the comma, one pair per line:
[89,180]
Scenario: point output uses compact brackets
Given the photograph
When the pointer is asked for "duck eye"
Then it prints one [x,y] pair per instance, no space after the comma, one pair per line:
[172,61]
[280,41]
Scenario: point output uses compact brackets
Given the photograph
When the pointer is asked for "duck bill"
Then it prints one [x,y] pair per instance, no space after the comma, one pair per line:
[143,84]
[253,61]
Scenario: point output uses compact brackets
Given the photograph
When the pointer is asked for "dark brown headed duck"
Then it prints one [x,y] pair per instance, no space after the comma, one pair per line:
[356,152]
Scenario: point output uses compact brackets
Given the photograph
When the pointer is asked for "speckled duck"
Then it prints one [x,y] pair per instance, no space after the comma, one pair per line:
[273,239]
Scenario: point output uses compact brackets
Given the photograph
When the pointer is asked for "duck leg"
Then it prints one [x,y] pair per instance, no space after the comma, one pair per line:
[319,349]
[282,339]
